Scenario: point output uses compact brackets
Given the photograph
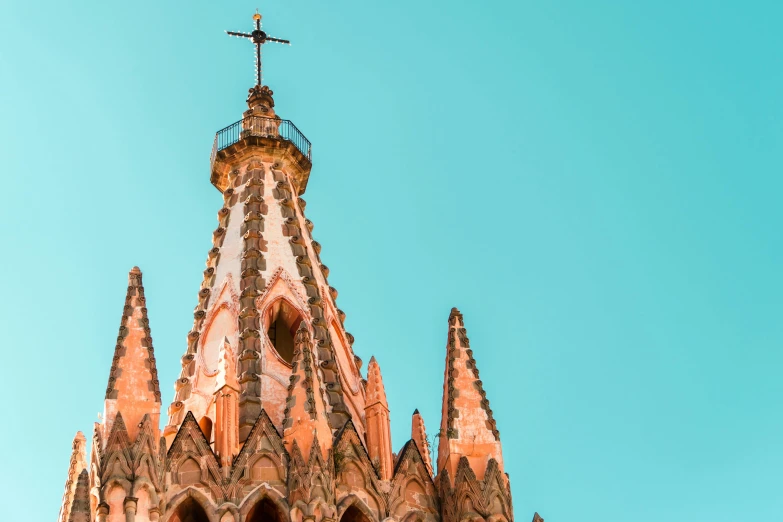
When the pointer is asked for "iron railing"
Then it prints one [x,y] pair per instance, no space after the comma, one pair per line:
[263,127]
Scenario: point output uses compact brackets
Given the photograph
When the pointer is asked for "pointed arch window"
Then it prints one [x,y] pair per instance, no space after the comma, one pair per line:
[265,511]
[190,511]
[206,427]
[281,321]
[189,472]
[354,514]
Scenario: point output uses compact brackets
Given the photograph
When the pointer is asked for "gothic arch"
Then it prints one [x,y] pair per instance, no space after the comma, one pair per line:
[189,511]
[494,501]
[117,458]
[193,465]
[400,498]
[357,510]
[268,455]
[147,470]
[144,483]
[114,495]
[468,504]
[264,494]
[230,509]
[188,498]
[116,481]
[279,320]
[265,453]
[300,509]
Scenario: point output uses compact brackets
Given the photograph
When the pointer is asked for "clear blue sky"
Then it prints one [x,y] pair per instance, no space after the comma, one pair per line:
[596,185]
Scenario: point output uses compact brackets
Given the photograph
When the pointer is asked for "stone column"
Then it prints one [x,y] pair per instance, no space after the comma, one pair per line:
[102,512]
[154,514]
[130,505]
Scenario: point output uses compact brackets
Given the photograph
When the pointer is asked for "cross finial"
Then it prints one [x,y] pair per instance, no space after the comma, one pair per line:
[259,38]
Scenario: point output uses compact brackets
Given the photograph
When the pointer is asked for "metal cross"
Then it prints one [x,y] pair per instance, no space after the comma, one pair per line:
[259,38]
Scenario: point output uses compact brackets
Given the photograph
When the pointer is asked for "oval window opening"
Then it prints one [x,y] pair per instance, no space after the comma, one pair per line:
[282,320]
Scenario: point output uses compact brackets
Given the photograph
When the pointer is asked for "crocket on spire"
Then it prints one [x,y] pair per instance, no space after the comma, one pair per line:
[376,412]
[419,436]
[467,426]
[80,508]
[77,464]
[133,387]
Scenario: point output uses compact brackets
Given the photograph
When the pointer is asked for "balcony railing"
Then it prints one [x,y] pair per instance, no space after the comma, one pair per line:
[262,127]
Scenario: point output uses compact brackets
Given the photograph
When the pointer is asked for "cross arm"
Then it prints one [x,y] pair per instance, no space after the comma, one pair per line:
[241,35]
[278,40]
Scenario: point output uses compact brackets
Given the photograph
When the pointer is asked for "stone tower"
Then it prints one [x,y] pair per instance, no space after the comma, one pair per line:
[272,419]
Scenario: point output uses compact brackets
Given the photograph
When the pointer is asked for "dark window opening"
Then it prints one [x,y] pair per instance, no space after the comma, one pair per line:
[354,514]
[265,511]
[282,321]
[190,511]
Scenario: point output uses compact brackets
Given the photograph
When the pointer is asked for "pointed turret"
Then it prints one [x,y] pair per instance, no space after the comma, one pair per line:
[77,464]
[467,428]
[376,412]
[226,407]
[133,382]
[537,518]
[419,436]
[227,367]
[80,509]
[304,418]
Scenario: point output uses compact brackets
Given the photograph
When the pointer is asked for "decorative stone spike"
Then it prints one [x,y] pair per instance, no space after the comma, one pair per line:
[467,424]
[80,509]
[376,412]
[419,436]
[226,407]
[78,463]
[133,387]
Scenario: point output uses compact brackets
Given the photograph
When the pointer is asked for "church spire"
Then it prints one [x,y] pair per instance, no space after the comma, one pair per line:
[467,426]
[419,436]
[77,464]
[80,509]
[133,387]
[378,426]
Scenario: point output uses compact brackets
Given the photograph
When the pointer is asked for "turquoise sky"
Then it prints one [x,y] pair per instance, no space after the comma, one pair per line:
[596,185]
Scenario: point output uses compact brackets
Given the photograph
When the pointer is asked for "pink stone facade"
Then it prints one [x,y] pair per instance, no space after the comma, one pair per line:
[272,419]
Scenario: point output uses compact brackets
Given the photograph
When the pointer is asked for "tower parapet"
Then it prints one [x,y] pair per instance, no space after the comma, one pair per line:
[261,131]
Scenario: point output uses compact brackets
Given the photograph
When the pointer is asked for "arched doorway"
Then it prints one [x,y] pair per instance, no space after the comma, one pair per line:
[354,514]
[265,511]
[189,511]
